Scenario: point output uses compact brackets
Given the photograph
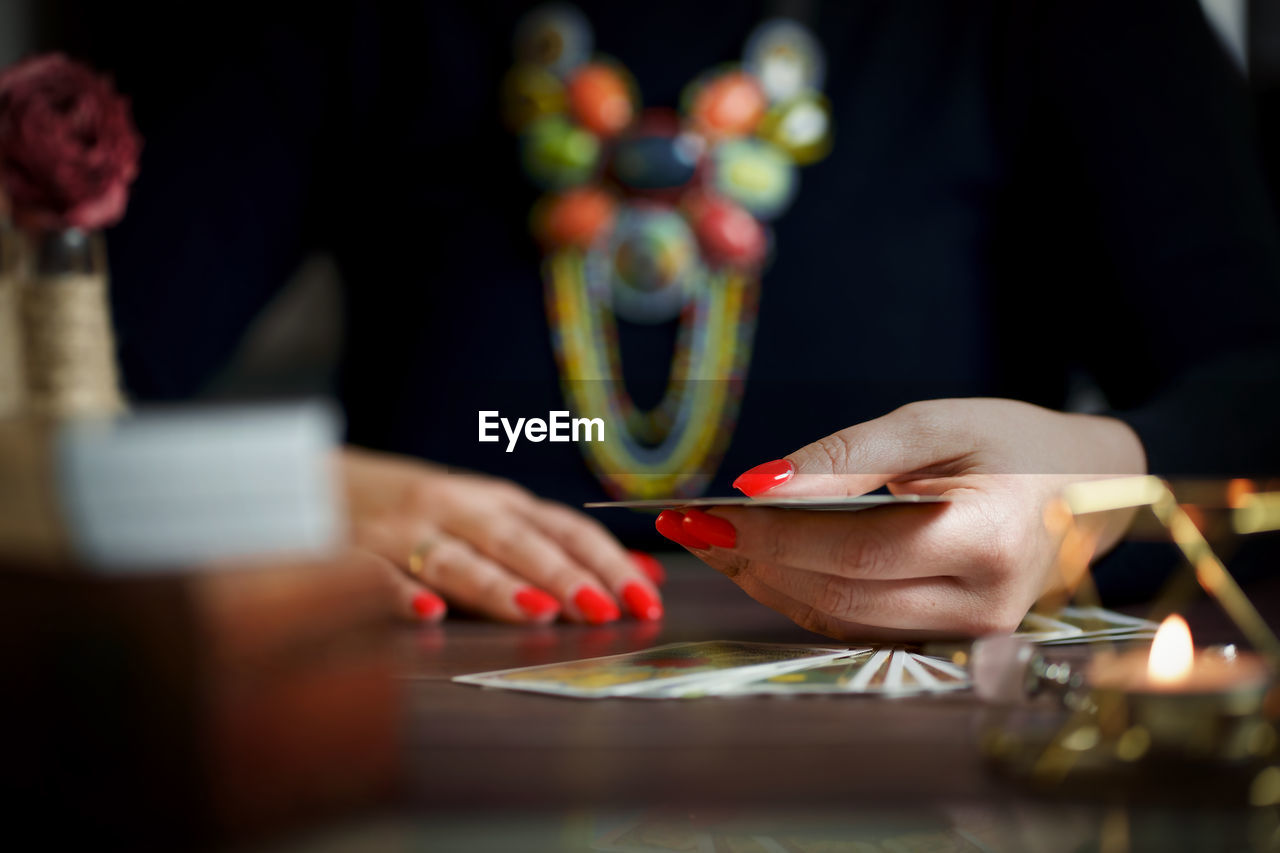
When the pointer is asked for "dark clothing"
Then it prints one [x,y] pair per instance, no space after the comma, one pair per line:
[1020,193]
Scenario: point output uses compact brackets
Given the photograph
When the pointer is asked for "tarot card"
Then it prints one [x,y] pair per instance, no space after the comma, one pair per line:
[843,504]
[882,670]
[944,841]
[829,678]
[1039,628]
[660,832]
[1094,621]
[742,843]
[677,665]
[1118,637]
[903,671]
[656,833]
[826,673]
[1081,625]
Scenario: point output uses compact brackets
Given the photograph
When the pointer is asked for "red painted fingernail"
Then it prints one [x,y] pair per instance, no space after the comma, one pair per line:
[535,603]
[764,477]
[597,607]
[641,602]
[670,524]
[709,528]
[428,605]
[649,564]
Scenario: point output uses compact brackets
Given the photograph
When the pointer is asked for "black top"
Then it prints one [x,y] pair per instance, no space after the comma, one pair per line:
[1020,193]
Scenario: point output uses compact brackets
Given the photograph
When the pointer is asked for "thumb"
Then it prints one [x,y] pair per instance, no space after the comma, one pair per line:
[851,462]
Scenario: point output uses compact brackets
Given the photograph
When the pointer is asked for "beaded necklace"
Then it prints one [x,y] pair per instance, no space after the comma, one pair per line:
[656,216]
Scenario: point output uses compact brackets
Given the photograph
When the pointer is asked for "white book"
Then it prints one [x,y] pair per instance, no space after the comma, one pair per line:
[178,488]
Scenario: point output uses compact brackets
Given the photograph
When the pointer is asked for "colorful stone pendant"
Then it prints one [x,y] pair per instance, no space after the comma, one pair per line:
[655,216]
[786,58]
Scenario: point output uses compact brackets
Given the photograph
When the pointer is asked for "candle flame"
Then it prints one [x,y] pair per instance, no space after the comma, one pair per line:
[1171,652]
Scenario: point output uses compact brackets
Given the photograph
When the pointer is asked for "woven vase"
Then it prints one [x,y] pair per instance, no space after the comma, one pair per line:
[12,375]
[69,351]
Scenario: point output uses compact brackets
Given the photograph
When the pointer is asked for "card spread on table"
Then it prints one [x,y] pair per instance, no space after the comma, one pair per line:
[662,670]
[725,668]
[848,504]
[887,671]
[1084,625]
[745,831]
[732,668]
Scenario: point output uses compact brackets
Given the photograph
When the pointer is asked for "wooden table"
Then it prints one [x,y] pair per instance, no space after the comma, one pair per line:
[482,761]
[473,745]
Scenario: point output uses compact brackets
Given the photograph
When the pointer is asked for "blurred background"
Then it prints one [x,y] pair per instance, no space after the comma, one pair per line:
[292,348]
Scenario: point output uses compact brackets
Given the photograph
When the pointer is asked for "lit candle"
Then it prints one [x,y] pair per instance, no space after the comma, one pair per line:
[1173,666]
[1191,703]
[1172,655]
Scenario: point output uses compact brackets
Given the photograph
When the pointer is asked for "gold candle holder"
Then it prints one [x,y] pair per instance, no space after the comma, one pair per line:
[1110,716]
[1133,720]
[1212,707]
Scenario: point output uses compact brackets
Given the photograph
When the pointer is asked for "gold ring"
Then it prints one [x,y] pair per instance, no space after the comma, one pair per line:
[418,556]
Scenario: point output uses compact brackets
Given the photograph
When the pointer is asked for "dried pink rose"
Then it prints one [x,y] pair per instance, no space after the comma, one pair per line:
[68,145]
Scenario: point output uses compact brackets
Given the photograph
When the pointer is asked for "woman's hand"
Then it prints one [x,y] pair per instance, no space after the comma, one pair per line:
[971,566]
[490,547]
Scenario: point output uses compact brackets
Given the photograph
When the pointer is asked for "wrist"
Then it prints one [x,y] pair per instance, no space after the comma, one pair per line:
[1110,447]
